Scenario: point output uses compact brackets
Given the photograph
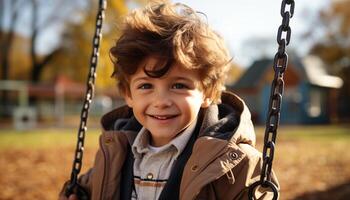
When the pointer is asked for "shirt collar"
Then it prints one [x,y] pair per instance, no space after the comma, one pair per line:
[141,142]
[181,140]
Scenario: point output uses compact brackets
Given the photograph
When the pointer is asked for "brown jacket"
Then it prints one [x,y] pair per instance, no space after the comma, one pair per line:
[222,165]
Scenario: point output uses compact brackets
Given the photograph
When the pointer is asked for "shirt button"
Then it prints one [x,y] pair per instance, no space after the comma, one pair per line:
[149,176]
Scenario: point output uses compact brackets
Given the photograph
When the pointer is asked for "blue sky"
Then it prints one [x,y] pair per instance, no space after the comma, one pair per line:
[240,20]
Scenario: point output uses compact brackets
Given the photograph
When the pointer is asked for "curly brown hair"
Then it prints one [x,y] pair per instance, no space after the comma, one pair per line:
[174,33]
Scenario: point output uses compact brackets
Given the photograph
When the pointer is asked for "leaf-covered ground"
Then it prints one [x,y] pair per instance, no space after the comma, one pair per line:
[311,162]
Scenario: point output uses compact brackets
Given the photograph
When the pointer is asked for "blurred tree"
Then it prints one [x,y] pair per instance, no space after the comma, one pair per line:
[7,36]
[334,46]
[6,41]
[32,18]
[19,59]
[41,21]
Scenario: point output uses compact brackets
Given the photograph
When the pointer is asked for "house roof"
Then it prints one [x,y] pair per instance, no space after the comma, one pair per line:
[310,68]
[253,74]
[317,74]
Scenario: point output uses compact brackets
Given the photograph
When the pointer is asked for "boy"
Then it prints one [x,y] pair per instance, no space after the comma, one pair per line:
[180,136]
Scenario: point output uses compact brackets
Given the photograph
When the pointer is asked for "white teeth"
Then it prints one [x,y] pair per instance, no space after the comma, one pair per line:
[161,117]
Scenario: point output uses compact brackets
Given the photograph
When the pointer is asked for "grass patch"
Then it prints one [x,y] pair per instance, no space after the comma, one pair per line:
[54,138]
[44,138]
[310,133]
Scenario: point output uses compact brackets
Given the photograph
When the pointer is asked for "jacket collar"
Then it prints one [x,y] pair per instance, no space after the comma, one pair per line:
[230,120]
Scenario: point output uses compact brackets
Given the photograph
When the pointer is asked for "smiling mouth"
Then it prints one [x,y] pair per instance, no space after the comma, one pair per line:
[163,117]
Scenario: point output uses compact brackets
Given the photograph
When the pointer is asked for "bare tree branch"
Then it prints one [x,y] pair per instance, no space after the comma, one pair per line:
[7,40]
[38,26]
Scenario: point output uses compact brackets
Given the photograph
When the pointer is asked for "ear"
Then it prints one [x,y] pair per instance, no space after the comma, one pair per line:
[206,102]
[128,99]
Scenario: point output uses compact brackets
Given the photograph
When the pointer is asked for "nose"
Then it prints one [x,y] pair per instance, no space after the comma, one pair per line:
[162,99]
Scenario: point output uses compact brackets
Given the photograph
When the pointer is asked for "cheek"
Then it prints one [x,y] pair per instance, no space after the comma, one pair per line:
[192,104]
[138,111]
[139,106]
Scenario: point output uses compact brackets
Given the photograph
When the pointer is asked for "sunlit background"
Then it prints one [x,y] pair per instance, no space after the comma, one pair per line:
[44,62]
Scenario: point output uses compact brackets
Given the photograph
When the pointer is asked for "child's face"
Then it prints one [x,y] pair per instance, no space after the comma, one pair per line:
[165,106]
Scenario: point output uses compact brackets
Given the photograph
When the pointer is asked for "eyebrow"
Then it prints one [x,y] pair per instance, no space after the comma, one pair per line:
[182,78]
[141,78]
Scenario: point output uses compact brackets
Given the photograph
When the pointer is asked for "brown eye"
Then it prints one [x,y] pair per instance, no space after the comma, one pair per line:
[145,86]
[179,86]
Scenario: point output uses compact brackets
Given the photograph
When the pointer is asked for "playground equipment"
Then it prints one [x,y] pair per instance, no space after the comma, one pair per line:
[24,117]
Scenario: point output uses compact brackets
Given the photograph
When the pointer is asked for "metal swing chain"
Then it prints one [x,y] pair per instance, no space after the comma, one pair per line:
[279,65]
[77,162]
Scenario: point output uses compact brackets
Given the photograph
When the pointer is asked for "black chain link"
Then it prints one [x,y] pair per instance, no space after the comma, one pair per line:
[79,151]
[279,65]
